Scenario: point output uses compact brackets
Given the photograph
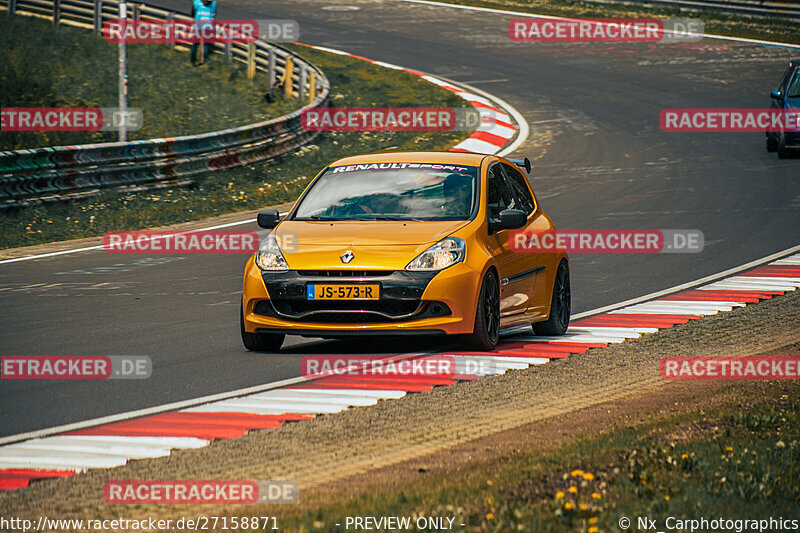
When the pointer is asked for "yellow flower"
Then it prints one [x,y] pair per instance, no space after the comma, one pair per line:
[559,494]
[490,516]
[729,449]
[593,529]
[582,506]
[588,476]
[685,456]
[573,490]
[576,473]
[593,520]
[568,506]
[596,495]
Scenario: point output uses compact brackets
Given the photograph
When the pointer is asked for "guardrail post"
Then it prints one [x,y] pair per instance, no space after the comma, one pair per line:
[271,68]
[251,60]
[135,11]
[301,82]
[228,52]
[312,87]
[287,77]
[98,16]
[56,11]
[12,6]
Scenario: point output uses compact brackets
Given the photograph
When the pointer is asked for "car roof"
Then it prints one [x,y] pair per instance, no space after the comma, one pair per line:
[457,158]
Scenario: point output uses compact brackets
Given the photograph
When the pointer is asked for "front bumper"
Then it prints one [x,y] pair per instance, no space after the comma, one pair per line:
[410,302]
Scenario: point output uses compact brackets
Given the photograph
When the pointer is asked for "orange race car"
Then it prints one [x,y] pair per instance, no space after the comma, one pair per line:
[405,243]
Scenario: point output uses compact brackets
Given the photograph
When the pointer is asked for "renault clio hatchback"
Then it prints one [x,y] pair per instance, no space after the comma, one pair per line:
[408,243]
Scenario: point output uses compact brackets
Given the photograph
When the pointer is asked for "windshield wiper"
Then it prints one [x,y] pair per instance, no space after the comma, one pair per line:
[389,218]
[314,217]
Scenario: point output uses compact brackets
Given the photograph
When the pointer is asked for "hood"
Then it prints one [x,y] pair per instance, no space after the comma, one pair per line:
[356,233]
[375,245]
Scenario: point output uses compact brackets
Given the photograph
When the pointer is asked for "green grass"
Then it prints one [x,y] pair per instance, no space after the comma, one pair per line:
[47,65]
[726,463]
[719,23]
[353,83]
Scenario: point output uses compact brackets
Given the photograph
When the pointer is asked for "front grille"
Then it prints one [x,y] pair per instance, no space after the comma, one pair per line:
[345,273]
[351,312]
[392,308]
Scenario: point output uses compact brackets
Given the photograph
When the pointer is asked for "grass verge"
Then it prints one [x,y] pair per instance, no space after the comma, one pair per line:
[50,65]
[354,82]
[735,462]
[718,23]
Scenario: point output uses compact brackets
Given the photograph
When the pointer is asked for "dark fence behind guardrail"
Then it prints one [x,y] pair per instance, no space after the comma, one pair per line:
[66,172]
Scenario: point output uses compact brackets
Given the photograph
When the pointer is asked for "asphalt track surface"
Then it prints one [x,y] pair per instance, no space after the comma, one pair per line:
[601,161]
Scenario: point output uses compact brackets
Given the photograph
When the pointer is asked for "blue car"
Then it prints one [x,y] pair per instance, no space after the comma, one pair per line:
[786,96]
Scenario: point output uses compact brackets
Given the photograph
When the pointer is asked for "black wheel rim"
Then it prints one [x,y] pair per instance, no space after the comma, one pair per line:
[491,309]
[562,296]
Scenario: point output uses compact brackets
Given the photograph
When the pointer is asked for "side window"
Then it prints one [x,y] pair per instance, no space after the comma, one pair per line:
[784,80]
[498,197]
[520,188]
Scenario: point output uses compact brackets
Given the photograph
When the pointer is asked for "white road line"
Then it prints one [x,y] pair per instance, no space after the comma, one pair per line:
[769,279]
[383,394]
[277,405]
[664,311]
[579,338]
[60,459]
[628,333]
[166,442]
[57,444]
[305,399]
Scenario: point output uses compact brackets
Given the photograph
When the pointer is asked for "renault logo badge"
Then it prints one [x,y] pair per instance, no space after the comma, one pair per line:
[347,257]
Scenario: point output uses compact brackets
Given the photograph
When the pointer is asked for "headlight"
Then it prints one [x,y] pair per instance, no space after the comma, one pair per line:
[441,255]
[269,256]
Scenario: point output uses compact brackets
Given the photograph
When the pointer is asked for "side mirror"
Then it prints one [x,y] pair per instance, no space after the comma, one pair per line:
[511,219]
[268,218]
[775,95]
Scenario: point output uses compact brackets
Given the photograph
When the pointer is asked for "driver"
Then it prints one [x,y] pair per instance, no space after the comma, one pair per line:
[456,193]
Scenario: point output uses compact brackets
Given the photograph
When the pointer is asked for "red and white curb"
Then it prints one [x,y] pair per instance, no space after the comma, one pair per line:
[496,129]
[114,444]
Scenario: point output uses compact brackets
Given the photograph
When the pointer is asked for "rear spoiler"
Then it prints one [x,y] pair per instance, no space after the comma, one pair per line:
[523,163]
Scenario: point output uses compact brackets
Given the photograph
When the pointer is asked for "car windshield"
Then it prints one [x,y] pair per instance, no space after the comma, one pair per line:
[392,191]
[793,91]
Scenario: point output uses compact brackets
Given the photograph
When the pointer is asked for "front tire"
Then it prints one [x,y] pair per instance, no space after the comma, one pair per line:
[560,306]
[486,331]
[772,143]
[259,342]
[783,152]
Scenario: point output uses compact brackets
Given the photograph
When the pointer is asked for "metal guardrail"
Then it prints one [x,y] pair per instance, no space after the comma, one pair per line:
[754,8]
[65,172]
